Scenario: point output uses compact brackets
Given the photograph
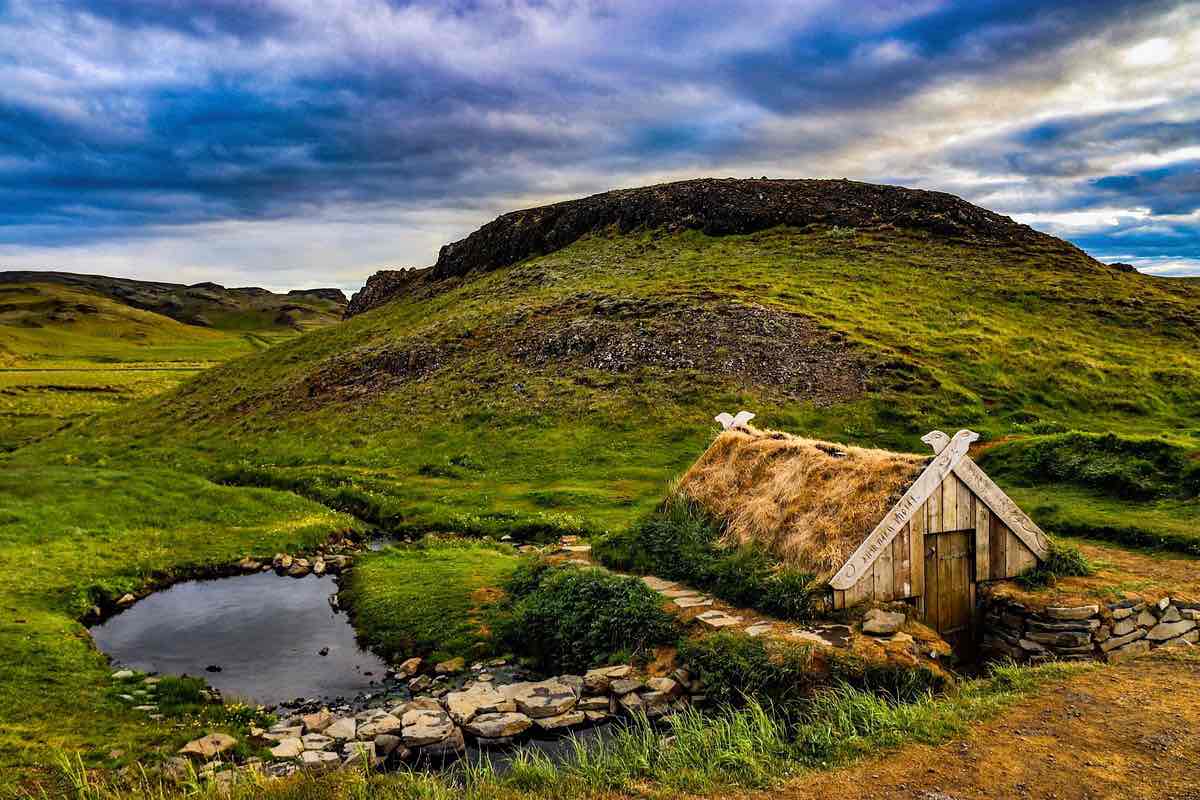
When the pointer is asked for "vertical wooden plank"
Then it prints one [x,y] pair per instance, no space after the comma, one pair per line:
[966,509]
[945,570]
[983,550]
[884,576]
[931,581]
[860,591]
[998,540]
[1012,553]
[902,563]
[917,550]
[935,512]
[839,599]
[962,578]
[950,503]
[1020,557]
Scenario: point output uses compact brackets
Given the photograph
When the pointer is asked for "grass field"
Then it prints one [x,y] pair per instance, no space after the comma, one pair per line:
[66,354]
[474,411]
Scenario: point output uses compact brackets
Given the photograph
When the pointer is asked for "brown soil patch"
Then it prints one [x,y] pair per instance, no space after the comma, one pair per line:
[1122,574]
[1125,733]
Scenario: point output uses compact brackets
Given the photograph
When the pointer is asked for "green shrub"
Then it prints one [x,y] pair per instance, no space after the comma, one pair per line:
[1118,466]
[570,618]
[1064,560]
[681,542]
[735,668]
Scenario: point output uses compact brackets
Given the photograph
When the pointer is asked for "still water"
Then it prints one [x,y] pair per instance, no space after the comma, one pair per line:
[264,632]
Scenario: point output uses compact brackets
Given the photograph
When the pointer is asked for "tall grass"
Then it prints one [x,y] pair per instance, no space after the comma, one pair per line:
[752,747]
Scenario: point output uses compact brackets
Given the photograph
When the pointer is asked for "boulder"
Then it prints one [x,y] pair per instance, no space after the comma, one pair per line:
[343,728]
[450,667]
[420,683]
[359,753]
[249,564]
[384,723]
[416,704]
[542,699]
[288,748]
[463,706]
[318,567]
[560,721]
[123,675]
[1147,620]
[1130,650]
[499,726]
[299,568]
[598,703]
[386,744]
[1124,627]
[318,722]
[422,727]
[625,686]
[317,741]
[1165,631]
[127,599]
[878,622]
[1171,614]
[452,745]
[319,761]
[280,732]
[208,747]
[655,704]
[598,680]
[666,686]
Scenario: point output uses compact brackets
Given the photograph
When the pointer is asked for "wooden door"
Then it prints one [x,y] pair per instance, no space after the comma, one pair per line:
[950,586]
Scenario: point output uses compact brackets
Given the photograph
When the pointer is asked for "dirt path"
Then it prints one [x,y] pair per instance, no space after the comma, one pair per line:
[1128,732]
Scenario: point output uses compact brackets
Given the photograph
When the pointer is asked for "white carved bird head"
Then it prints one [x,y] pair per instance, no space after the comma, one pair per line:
[727,421]
[937,440]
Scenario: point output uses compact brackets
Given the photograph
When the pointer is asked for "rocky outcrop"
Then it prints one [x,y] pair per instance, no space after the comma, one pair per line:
[715,206]
[381,287]
[1085,632]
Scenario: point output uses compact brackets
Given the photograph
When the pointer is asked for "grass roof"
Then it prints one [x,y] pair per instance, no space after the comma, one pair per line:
[809,502]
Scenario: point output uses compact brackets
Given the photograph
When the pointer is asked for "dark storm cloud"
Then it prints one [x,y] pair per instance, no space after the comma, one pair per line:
[119,115]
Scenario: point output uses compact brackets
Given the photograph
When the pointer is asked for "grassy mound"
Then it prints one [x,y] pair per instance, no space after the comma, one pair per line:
[428,599]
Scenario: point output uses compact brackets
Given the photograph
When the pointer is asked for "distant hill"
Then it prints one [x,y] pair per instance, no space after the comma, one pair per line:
[207,305]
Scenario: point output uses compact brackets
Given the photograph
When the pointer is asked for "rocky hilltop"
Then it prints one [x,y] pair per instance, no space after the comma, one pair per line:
[716,206]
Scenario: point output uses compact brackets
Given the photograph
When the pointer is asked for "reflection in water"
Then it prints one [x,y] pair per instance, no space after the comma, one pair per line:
[263,631]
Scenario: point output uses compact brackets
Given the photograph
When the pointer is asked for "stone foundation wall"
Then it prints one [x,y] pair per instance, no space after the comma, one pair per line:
[1102,632]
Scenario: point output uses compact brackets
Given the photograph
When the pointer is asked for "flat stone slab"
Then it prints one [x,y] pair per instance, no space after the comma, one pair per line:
[878,622]
[384,723]
[463,706]
[499,726]
[759,629]
[288,748]
[343,728]
[210,746]
[423,727]
[542,699]
[598,680]
[693,601]
[561,721]
[578,548]
[320,760]
[658,584]
[718,619]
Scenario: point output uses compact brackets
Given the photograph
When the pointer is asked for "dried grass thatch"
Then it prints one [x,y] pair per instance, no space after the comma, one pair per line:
[810,503]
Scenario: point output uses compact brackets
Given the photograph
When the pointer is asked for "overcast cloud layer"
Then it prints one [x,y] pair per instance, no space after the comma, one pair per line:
[290,143]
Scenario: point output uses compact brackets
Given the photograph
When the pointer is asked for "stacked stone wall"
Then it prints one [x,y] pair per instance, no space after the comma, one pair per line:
[1095,632]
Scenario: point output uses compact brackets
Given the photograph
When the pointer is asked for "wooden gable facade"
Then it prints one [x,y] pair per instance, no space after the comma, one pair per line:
[953,528]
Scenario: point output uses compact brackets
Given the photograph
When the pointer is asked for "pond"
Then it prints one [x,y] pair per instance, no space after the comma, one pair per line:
[265,633]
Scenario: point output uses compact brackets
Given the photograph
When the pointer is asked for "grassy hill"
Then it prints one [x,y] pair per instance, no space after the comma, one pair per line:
[551,373]
[578,381]
[75,345]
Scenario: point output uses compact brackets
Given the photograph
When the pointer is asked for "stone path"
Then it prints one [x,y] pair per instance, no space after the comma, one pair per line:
[695,607]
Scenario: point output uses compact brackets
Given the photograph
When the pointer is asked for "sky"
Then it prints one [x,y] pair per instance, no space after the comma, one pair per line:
[291,143]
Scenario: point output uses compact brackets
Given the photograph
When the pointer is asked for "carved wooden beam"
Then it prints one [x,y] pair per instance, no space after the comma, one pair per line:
[1000,503]
[901,513]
